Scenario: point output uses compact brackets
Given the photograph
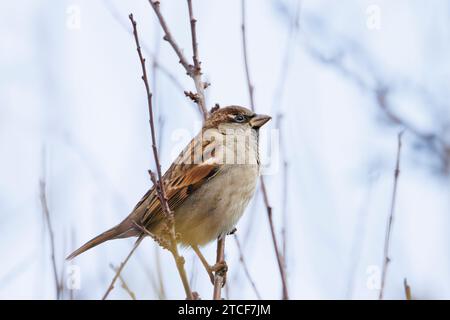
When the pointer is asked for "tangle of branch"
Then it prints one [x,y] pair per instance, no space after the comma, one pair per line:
[193,71]
[157,180]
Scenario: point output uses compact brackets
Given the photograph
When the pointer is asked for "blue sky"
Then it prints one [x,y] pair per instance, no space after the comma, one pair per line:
[71,94]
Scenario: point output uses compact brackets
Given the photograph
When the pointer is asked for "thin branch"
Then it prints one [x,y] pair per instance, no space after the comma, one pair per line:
[408,294]
[244,265]
[200,86]
[277,107]
[193,71]
[246,64]
[172,247]
[195,57]
[120,268]
[279,257]
[161,288]
[168,36]
[124,284]
[386,258]
[284,212]
[157,181]
[155,61]
[219,276]
[46,212]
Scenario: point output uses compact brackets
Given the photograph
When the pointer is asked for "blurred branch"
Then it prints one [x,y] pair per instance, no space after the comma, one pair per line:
[120,268]
[435,143]
[46,212]
[386,258]
[124,284]
[277,104]
[161,288]
[358,240]
[193,71]
[244,265]
[250,87]
[380,90]
[408,294]
[371,82]
[155,61]
[153,279]
[157,180]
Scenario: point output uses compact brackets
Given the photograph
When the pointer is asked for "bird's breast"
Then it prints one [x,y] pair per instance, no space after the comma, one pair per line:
[215,208]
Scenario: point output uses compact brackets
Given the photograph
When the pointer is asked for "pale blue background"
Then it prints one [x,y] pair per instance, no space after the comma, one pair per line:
[77,95]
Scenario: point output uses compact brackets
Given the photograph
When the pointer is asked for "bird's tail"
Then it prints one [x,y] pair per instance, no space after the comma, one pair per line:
[122,230]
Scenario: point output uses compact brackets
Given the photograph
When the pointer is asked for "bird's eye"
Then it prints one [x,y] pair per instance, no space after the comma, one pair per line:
[239,118]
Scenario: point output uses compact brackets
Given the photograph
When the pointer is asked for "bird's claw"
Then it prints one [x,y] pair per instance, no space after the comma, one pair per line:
[220,269]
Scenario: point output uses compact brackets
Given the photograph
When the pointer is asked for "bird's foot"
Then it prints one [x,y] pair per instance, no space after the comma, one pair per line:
[220,269]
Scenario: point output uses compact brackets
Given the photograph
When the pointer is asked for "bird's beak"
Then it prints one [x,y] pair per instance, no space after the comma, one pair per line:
[259,120]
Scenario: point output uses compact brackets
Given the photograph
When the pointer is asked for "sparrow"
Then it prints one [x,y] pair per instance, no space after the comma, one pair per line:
[208,186]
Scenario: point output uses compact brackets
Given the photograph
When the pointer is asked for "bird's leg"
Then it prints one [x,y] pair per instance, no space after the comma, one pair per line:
[220,268]
[205,263]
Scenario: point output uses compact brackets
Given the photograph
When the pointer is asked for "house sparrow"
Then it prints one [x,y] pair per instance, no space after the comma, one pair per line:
[208,186]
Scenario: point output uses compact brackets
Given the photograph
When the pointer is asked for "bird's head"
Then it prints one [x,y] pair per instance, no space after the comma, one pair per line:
[235,118]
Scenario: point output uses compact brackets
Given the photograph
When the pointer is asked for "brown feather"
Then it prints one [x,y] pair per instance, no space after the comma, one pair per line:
[192,168]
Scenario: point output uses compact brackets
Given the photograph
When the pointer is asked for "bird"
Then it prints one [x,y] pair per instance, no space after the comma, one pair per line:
[208,186]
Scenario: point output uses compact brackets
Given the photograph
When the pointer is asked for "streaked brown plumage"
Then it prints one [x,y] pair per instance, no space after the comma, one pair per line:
[207,192]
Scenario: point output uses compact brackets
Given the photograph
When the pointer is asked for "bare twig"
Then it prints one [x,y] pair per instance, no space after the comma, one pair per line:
[194,71]
[244,265]
[158,183]
[277,104]
[386,258]
[124,284]
[408,294]
[195,57]
[120,268]
[46,212]
[155,61]
[279,257]
[246,64]
[219,276]
[284,212]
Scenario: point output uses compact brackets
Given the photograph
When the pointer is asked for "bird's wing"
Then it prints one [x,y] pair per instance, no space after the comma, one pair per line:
[196,164]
